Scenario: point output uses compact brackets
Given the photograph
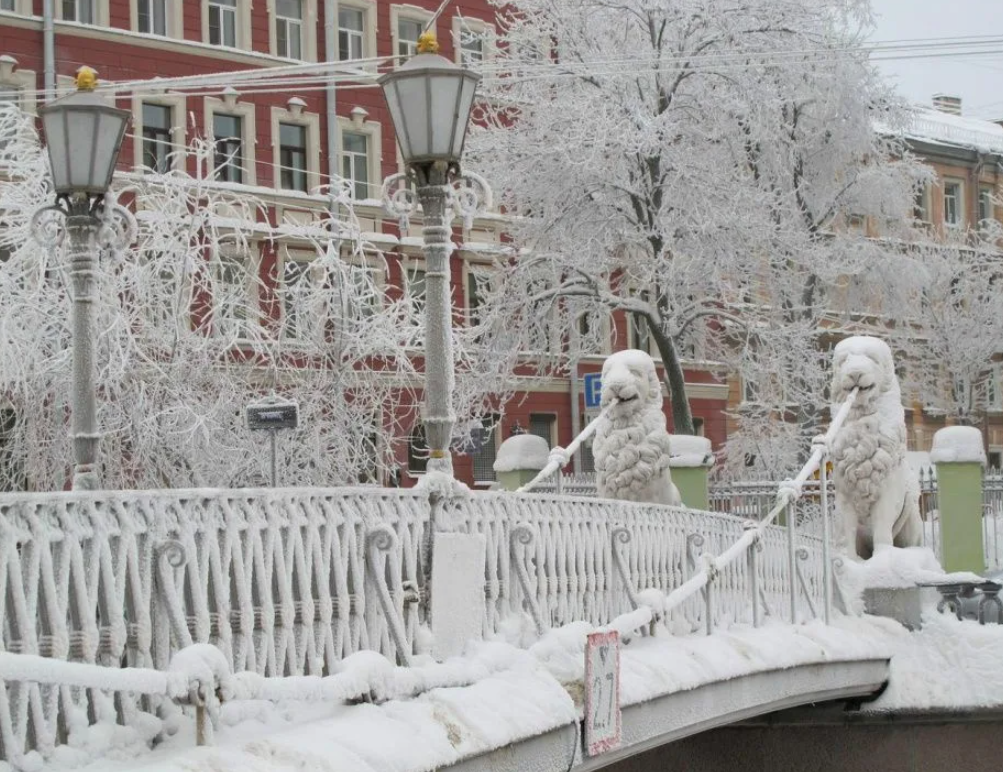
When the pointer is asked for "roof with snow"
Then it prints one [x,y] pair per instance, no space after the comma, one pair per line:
[934,126]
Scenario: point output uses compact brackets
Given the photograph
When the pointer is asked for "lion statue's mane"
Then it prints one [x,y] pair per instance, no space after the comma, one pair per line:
[877,493]
[631,445]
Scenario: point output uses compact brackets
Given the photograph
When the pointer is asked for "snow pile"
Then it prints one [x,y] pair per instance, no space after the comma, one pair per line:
[901,567]
[690,450]
[947,664]
[958,444]
[523,451]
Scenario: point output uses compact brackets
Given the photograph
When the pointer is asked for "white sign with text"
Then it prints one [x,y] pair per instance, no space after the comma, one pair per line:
[602,692]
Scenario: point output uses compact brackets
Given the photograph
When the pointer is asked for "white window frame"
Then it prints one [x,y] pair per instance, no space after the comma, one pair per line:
[369,28]
[922,201]
[308,42]
[994,389]
[470,270]
[252,258]
[310,121]
[372,130]
[400,13]
[409,265]
[959,204]
[20,80]
[178,137]
[99,7]
[242,27]
[986,194]
[305,258]
[175,19]
[231,106]
[23,7]
[465,25]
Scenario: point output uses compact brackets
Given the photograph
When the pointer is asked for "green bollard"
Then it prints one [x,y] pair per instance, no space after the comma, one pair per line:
[959,455]
[691,461]
[519,460]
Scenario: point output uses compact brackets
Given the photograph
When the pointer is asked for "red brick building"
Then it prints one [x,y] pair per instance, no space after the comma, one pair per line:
[284,145]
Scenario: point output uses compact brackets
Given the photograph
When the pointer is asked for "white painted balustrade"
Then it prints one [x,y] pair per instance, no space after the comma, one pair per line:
[288,583]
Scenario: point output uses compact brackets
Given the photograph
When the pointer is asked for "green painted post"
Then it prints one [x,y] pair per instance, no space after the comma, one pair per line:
[959,455]
[691,461]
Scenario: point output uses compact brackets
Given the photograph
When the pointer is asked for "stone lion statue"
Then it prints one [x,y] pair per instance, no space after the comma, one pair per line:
[877,493]
[631,446]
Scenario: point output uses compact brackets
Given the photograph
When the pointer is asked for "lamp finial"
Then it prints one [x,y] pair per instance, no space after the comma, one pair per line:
[87,79]
[427,44]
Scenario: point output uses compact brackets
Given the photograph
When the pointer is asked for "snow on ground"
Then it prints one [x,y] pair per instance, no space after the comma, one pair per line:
[947,664]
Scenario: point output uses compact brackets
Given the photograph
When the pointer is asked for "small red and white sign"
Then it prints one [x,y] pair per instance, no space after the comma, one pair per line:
[602,692]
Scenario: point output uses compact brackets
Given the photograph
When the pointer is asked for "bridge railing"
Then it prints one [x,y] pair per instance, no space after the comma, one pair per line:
[290,582]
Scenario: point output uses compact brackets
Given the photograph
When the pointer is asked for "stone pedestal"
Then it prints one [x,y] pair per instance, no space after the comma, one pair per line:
[903,604]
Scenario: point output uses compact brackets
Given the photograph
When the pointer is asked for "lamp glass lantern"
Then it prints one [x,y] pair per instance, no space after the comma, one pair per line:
[430,99]
[83,135]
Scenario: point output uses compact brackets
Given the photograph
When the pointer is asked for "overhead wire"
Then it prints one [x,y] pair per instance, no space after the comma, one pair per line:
[363,72]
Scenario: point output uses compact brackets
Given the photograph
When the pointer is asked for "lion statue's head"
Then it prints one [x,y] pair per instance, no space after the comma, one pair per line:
[629,378]
[864,363]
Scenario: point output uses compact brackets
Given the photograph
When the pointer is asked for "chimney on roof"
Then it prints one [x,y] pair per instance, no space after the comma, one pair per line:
[947,104]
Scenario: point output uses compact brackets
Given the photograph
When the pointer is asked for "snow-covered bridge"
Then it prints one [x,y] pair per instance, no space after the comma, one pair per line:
[334,584]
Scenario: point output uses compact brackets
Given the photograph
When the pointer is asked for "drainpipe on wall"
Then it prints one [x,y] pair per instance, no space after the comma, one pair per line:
[49,49]
[330,95]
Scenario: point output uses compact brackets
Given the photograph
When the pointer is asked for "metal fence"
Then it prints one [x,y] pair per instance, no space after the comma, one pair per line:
[289,582]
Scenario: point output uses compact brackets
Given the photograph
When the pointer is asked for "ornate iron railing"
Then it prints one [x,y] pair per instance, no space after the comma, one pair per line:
[290,582]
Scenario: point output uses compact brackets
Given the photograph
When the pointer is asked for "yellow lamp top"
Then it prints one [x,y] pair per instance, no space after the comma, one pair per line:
[87,79]
[427,44]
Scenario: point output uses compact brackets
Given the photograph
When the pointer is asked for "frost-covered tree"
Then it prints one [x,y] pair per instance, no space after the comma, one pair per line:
[952,338]
[191,330]
[695,165]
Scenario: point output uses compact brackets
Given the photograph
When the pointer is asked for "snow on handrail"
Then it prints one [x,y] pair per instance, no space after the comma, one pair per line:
[559,457]
[789,491]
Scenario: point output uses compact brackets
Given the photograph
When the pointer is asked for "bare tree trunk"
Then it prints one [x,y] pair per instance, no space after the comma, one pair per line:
[675,380]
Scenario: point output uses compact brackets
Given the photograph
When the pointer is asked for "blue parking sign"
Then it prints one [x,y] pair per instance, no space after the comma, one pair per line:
[593,389]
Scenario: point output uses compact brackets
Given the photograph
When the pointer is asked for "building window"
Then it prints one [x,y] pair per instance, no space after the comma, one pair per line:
[295,288]
[471,48]
[78,10]
[952,204]
[355,162]
[544,425]
[152,16]
[9,96]
[483,450]
[351,29]
[408,31]
[156,137]
[475,297]
[920,209]
[292,156]
[223,23]
[289,28]
[416,289]
[231,309]
[639,335]
[7,5]
[985,203]
[417,449]
[228,133]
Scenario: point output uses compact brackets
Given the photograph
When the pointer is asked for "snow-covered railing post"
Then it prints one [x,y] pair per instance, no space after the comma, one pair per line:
[753,567]
[822,446]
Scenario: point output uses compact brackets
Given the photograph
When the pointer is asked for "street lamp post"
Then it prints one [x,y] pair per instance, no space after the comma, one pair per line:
[83,136]
[430,99]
